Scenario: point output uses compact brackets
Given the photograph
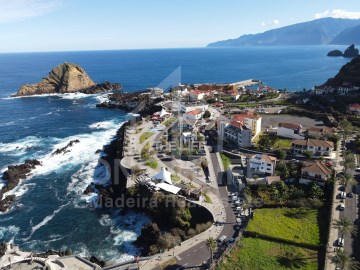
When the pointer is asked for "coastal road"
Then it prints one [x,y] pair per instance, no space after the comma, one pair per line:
[351,244]
[199,253]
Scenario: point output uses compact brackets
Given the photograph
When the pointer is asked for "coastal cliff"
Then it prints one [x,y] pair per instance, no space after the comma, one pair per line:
[67,78]
[349,74]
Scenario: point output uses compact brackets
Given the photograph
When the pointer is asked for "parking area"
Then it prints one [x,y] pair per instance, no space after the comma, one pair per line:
[269,121]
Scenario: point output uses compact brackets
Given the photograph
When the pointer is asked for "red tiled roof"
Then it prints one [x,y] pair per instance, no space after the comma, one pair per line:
[290,125]
[354,106]
[316,167]
[322,129]
[250,115]
[237,124]
[194,112]
[272,179]
[313,142]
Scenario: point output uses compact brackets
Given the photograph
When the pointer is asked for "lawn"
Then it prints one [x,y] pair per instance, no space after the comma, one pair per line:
[175,178]
[169,121]
[256,254]
[152,163]
[282,144]
[146,135]
[297,225]
[226,161]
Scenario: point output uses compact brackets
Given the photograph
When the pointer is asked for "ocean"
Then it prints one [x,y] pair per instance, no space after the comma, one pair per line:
[51,211]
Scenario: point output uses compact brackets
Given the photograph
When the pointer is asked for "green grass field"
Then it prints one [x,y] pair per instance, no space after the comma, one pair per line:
[257,254]
[226,161]
[282,144]
[146,135]
[297,225]
[168,122]
[152,163]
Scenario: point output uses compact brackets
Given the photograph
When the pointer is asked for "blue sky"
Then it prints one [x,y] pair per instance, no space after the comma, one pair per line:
[63,25]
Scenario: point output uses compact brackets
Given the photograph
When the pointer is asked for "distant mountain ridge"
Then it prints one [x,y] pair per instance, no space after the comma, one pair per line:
[317,32]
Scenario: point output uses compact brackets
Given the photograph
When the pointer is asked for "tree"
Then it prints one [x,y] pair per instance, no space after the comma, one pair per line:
[343,260]
[135,169]
[308,155]
[291,259]
[348,161]
[264,142]
[345,226]
[211,245]
[347,180]
[282,170]
[316,191]
[206,114]
[346,128]
[280,153]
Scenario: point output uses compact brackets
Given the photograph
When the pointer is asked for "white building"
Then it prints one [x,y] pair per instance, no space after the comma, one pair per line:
[235,176]
[184,108]
[262,164]
[196,95]
[314,171]
[194,114]
[155,92]
[289,130]
[236,133]
[251,121]
[316,147]
[354,109]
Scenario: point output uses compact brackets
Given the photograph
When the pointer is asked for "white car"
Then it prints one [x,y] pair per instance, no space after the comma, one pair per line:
[342,207]
[340,242]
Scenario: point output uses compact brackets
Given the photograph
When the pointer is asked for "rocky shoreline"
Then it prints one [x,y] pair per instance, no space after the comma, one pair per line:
[13,175]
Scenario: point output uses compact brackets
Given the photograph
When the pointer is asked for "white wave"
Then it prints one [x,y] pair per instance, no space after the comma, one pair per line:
[80,153]
[7,124]
[46,219]
[21,146]
[102,98]
[9,232]
[102,125]
[20,190]
[133,115]
[74,95]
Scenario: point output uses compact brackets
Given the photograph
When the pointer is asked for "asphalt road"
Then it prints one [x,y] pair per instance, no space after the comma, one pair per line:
[199,253]
[352,244]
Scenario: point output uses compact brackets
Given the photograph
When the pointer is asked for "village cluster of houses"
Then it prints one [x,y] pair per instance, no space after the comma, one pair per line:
[345,89]
[260,168]
[198,92]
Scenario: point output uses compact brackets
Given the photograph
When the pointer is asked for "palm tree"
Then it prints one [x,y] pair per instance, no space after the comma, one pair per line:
[343,260]
[211,245]
[347,179]
[348,161]
[345,226]
[292,260]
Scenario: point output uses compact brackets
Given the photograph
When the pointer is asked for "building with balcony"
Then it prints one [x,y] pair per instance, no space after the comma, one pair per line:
[236,133]
[316,147]
[315,171]
[261,165]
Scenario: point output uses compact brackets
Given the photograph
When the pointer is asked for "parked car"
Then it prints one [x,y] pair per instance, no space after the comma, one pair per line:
[342,207]
[221,240]
[350,194]
[340,242]
[343,195]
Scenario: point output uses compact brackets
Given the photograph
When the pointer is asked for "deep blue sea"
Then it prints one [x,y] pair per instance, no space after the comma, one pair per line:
[51,211]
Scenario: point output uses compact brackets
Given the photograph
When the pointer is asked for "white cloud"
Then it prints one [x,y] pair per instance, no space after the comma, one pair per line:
[16,10]
[338,13]
[271,23]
